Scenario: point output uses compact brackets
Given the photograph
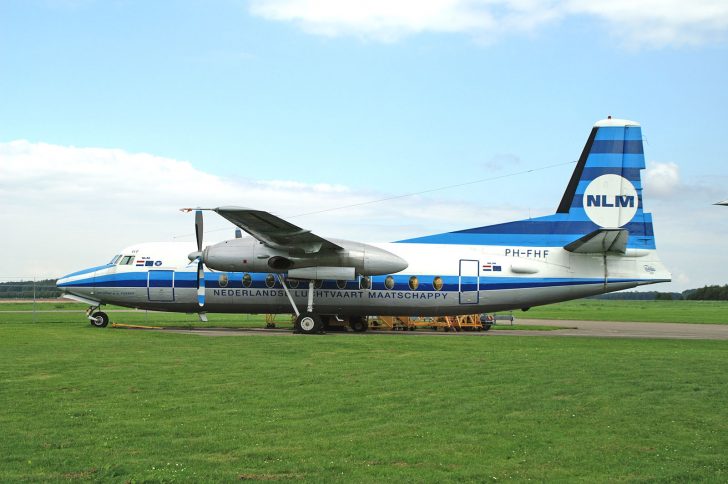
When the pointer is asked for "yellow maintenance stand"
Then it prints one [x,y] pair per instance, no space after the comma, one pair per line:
[468,322]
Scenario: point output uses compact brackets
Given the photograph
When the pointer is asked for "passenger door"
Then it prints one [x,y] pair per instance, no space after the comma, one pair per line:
[160,285]
[469,281]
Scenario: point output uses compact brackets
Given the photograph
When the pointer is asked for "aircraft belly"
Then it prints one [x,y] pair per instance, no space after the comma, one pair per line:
[360,302]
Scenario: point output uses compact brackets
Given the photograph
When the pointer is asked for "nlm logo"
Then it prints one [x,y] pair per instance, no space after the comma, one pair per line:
[604,201]
[610,201]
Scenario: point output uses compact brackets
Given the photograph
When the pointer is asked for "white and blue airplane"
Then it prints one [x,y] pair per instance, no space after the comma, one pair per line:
[599,240]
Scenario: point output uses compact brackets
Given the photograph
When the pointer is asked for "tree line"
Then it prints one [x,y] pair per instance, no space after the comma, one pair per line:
[44,289]
[705,293]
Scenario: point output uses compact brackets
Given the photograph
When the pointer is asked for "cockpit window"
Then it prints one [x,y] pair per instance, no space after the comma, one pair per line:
[115,259]
[126,260]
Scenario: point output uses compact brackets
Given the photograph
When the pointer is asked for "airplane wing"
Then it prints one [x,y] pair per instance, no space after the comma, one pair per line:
[274,231]
[600,241]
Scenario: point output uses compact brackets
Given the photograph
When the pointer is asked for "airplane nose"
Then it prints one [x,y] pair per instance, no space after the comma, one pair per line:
[61,282]
[79,278]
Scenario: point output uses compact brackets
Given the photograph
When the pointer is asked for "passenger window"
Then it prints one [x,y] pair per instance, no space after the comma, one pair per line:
[292,283]
[247,280]
[414,283]
[389,282]
[365,283]
[437,283]
[318,284]
[270,280]
[341,284]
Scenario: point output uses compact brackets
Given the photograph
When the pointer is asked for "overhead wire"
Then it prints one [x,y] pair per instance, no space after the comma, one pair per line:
[412,194]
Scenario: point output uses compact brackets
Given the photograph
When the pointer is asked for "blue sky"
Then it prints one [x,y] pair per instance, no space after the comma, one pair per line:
[336,103]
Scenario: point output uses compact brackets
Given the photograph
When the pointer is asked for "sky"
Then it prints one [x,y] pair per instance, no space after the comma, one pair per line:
[114,114]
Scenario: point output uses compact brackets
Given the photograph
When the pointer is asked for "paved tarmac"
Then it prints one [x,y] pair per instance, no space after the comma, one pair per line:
[594,329]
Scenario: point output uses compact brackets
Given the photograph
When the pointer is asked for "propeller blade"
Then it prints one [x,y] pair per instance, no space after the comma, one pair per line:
[198,229]
[200,283]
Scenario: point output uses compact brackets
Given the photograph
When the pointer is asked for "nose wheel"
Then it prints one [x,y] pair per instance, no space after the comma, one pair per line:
[98,319]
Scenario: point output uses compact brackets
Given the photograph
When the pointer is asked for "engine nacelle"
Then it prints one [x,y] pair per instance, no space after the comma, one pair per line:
[249,255]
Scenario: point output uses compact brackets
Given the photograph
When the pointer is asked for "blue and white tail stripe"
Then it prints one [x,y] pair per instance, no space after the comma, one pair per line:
[605,191]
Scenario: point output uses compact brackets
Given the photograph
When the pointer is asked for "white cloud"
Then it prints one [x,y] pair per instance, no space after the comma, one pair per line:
[661,179]
[659,22]
[652,23]
[389,20]
[65,208]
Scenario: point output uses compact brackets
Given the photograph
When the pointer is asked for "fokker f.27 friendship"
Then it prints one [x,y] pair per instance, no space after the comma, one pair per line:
[599,240]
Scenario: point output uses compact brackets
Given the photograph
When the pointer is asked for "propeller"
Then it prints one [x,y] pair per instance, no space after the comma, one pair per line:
[200,262]
[197,256]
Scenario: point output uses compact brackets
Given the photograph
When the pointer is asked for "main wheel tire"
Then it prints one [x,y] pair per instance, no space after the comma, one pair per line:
[309,323]
[486,327]
[99,319]
[358,324]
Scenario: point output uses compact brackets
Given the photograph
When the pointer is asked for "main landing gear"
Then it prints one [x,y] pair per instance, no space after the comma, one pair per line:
[98,319]
[358,324]
[307,322]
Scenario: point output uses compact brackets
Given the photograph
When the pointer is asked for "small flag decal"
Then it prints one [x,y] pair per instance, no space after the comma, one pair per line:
[491,267]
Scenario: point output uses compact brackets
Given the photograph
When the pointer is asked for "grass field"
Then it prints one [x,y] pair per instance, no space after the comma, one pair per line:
[81,403]
[712,312]
[704,312]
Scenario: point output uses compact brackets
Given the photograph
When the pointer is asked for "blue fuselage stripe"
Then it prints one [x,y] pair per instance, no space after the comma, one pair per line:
[401,282]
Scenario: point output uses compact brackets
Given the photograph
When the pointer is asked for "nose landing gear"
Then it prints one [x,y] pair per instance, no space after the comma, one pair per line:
[98,319]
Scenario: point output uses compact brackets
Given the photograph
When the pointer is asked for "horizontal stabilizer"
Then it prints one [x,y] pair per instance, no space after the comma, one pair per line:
[600,241]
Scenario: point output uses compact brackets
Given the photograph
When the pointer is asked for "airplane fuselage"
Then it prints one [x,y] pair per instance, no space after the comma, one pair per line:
[442,279]
[599,240]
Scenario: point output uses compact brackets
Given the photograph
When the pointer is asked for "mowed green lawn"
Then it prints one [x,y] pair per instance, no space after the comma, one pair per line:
[76,314]
[124,405]
[703,312]
[713,312]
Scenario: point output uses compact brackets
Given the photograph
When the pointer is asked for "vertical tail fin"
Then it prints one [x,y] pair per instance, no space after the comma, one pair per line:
[604,192]
[606,187]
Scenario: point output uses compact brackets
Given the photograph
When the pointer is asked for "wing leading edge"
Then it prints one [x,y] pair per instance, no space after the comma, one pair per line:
[275,232]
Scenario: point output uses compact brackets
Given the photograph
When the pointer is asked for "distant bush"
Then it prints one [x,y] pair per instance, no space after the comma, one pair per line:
[707,293]
[641,296]
[45,289]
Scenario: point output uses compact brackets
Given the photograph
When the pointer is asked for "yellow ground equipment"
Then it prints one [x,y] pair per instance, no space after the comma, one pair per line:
[392,323]
[270,320]
[468,322]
